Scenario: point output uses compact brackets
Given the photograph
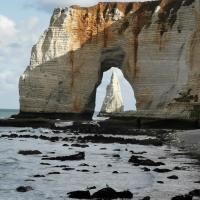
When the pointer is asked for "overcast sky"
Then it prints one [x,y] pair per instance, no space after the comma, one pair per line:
[21,24]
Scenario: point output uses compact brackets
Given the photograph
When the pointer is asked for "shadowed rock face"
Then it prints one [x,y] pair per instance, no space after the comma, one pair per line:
[155,44]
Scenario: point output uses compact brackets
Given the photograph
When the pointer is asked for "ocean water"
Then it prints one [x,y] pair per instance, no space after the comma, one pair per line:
[6,113]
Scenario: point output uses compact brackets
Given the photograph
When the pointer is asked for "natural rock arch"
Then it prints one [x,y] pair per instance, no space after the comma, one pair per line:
[110,57]
[150,46]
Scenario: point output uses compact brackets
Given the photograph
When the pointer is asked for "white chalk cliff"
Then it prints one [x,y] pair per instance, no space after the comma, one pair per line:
[113,101]
[156,44]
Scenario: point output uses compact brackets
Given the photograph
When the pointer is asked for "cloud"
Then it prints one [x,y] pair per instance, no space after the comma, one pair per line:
[7,28]
[15,37]
[16,41]
[8,31]
[49,5]
[8,80]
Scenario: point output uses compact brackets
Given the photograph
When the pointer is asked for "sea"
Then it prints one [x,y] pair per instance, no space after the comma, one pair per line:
[6,113]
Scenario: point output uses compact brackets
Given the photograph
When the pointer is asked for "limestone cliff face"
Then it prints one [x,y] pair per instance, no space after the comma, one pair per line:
[156,44]
[113,101]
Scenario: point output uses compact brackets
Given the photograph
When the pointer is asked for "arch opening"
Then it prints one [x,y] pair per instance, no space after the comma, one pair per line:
[127,92]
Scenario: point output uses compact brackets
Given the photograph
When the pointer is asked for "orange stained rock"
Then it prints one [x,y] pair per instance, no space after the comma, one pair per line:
[76,104]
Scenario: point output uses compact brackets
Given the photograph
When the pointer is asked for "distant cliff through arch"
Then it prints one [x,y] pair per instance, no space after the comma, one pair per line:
[127,93]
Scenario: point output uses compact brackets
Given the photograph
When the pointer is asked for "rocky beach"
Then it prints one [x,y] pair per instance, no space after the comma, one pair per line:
[44,163]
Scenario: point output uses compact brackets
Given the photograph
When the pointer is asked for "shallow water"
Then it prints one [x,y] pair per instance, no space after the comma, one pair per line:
[6,113]
[15,169]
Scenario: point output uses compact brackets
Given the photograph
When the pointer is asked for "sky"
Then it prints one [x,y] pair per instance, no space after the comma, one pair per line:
[21,24]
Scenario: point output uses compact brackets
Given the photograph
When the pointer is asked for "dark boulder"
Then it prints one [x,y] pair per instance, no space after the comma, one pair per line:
[139,160]
[189,196]
[78,156]
[195,193]
[68,169]
[13,135]
[197,182]
[61,166]
[23,131]
[125,195]
[160,182]
[79,194]
[84,170]
[173,177]
[84,165]
[52,173]
[110,193]
[44,163]
[29,152]
[54,139]
[142,152]
[105,193]
[24,189]
[179,168]
[116,156]
[38,176]
[162,157]
[116,149]
[182,197]
[158,170]
[146,198]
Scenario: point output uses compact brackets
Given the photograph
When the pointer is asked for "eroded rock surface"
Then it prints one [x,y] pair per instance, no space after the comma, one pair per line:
[155,44]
